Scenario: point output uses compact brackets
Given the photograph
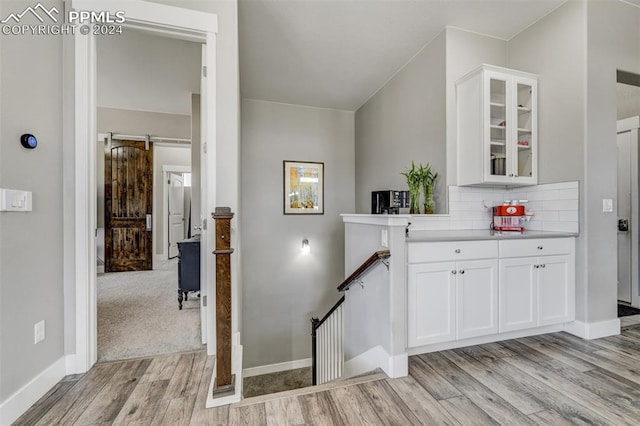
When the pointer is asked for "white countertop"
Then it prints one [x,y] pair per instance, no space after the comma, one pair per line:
[479,234]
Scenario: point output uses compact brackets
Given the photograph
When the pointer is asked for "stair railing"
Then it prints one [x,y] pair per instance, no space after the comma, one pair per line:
[327,347]
[327,352]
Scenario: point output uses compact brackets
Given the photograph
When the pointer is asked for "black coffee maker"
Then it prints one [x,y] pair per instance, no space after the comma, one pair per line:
[389,201]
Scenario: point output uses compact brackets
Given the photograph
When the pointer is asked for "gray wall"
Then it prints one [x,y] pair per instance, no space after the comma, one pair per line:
[555,48]
[613,42]
[31,69]
[404,121]
[282,288]
[135,122]
[628,100]
[139,71]
[31,275]
[465,51]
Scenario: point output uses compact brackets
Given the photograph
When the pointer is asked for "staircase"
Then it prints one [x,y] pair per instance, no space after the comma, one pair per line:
[327,334]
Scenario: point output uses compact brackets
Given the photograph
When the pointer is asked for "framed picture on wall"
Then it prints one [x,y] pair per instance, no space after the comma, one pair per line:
[303,187]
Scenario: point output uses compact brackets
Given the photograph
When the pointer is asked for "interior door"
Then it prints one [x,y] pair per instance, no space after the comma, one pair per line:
[176,212]
[128,206]
[624,216]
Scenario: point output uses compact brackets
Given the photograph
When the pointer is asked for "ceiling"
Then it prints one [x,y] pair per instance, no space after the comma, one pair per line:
[337,53]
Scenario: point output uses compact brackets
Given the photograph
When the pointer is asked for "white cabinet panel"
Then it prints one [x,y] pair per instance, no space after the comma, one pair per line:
[477,298]
[536,247]
[461,299]
[497,127]
[452,251]
[555,290]
[431,300]
[518,294]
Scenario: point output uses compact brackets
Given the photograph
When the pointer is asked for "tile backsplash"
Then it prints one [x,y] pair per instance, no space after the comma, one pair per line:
[555,207]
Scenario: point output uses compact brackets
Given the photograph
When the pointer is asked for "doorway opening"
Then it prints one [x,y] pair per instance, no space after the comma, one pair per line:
[628,125]
[145,118]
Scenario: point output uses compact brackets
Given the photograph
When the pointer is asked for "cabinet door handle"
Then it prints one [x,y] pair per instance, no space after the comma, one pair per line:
[540,247]
[457,251]
[536,266]
[454,272]
[462,271]
[543,265]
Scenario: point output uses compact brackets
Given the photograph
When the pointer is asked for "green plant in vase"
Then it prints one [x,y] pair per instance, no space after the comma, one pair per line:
[428,180]
[414,180]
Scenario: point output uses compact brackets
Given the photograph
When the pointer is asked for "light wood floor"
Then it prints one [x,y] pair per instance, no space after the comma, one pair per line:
[553,379]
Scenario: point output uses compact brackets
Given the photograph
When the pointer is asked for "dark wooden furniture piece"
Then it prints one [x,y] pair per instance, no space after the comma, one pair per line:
[128,195]
[224,382]
[188,268]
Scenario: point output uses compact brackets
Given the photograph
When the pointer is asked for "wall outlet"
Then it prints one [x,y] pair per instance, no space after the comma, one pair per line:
[384,238]
[38,332]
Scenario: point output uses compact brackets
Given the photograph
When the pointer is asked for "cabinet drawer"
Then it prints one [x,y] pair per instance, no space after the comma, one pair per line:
[451,251]
[536,247]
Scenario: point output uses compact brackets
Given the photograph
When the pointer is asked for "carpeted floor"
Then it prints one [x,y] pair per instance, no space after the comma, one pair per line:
[625,311]
[138,315]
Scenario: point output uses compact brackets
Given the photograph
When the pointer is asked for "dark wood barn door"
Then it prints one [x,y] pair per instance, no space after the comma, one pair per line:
[128,206]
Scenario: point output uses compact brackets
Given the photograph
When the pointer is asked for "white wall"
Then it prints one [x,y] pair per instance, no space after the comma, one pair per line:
[282,288]
[31,274]
[403,121]
[138,71]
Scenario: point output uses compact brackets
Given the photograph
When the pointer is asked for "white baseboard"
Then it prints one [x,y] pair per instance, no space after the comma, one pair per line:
[398,366]
[18,403]
[236,362]
[377,357]
[274,368]
[472,341]
[593,330]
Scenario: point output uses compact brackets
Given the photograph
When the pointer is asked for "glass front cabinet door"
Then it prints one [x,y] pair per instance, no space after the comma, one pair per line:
[497,127]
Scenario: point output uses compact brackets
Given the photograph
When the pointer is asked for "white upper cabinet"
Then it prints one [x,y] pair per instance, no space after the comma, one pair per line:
[497,120]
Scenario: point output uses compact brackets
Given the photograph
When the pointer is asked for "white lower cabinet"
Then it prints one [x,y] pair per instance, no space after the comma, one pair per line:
[452,300]
[556,289]
[518,294]
[461,299]
[536,291]
[431,297]
[476,298]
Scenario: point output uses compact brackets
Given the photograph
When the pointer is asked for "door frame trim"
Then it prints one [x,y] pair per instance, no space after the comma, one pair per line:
[166,169]
[79,158]
[632,124]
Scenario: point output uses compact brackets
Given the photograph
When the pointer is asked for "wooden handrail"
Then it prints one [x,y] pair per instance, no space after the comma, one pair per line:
[366,265]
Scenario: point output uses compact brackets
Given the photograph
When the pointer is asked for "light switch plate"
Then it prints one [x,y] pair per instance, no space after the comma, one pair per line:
[384,238]
[14,200]
[607,205]
[38,332]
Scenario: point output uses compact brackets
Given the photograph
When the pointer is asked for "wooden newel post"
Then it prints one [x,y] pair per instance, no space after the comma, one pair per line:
[224,379]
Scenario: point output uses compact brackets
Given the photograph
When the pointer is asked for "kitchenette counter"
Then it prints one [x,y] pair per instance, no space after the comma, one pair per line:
[480,234]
